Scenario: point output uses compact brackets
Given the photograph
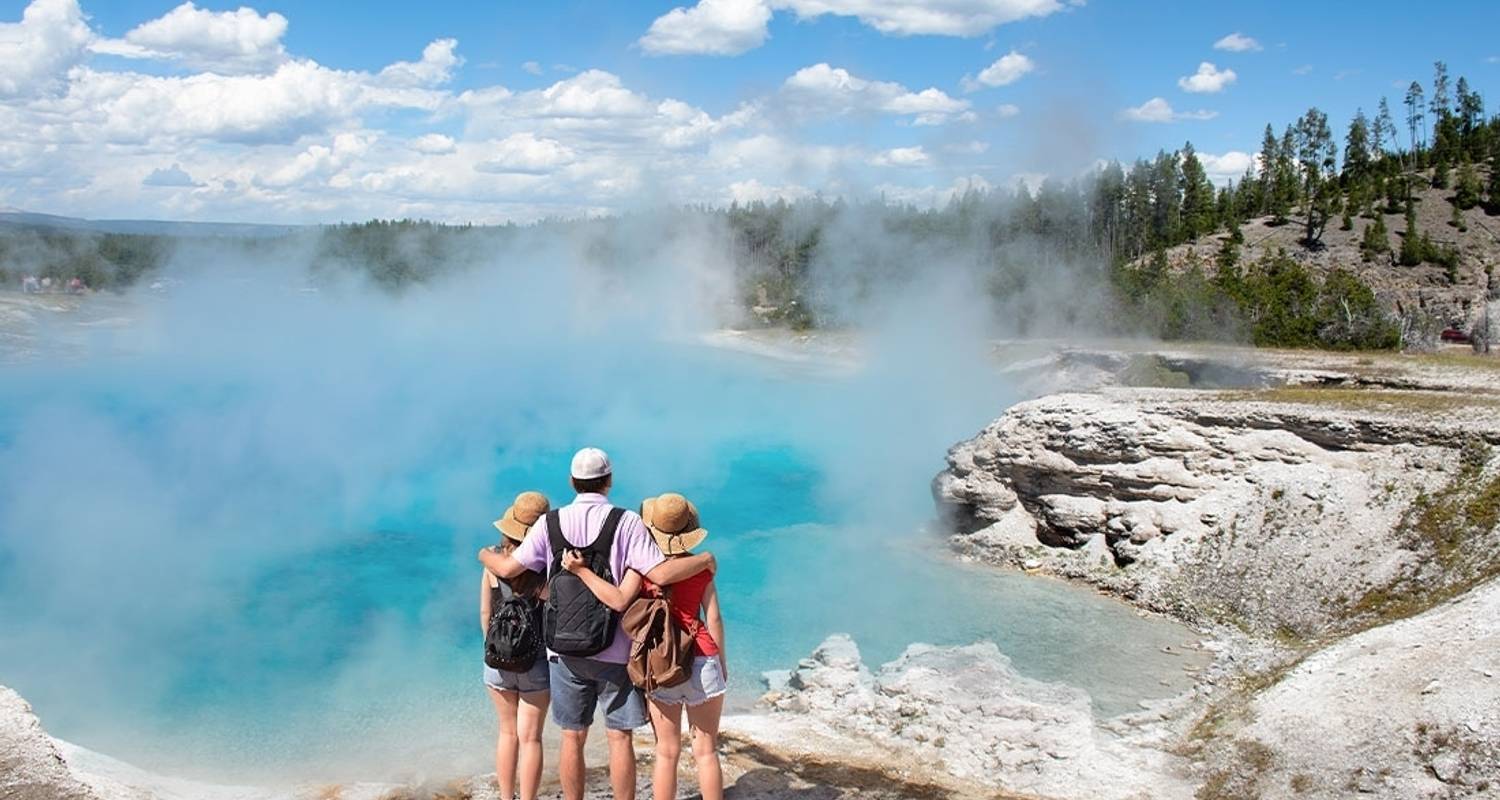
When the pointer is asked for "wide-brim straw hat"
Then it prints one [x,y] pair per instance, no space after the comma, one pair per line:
[673,522]
[522,514]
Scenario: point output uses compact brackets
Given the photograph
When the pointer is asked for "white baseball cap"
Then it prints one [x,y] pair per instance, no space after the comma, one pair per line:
[590,463]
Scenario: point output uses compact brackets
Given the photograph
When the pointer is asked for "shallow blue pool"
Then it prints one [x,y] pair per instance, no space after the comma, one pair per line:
[250,554]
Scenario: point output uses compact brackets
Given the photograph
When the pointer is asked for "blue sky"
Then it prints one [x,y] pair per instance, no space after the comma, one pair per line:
[293,112]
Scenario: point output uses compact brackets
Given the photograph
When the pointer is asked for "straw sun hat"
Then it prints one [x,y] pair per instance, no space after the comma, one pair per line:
[522,514]
[673,522]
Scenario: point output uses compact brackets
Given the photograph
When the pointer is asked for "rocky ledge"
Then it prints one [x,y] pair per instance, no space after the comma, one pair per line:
[1291,512]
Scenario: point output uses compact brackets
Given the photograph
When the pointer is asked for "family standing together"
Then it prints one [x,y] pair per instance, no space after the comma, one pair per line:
[589,606]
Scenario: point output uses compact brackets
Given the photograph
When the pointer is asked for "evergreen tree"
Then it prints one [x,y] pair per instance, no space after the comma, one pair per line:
[1357,147]
[1317,156]
[1198,201]
[1268,150]
[1439,106]
[1225,212]
[1377,240]
[1358,167]
[1447,139]
[1414,118]
[1412,251]
[1284,190]
[1395,193]
[1229,252]
[1166,192]
[1440,172]
[1384,129]
[1456,220]
[1470,189]
[1470,109]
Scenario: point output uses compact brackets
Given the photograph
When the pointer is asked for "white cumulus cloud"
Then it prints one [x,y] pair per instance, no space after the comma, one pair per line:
[592,93]
[919,17]
[527,154]
[1157,109]
[173,176]
[439,59]
[221,41]
[712,27]
[300,97]
[1006,70]
[731,27]
[1230,166]
[1237,43]
[434,144]
[901,157]
[1209,79]
[36,52]
[1007,110]
[825,90]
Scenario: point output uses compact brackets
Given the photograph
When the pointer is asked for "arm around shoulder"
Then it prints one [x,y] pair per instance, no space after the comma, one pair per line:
[502,564]
[674,570]
[619,597]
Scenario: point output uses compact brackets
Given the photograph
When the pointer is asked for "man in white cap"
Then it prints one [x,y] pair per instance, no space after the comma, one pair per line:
[580,684]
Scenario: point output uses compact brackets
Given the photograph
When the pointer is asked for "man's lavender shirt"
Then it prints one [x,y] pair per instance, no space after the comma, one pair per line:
[581,521]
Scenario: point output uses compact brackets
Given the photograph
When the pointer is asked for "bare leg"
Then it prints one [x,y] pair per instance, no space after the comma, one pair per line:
[666,719]
[622,764]
[705,719]
[531,717]
[505,742]
[570,765]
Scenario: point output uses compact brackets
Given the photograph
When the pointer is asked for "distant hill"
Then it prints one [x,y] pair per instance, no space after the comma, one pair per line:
[1451,296]
[11,217]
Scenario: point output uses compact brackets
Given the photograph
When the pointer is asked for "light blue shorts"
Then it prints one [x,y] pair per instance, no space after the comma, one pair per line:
[535,679]
[706,683]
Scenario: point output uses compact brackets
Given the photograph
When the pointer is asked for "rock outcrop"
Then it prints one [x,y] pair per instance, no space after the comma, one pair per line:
[1288,511]
[963,714]
[31,768]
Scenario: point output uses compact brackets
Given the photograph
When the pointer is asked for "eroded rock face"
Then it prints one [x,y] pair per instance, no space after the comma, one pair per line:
[30,766]
[964,712]
[1281,516]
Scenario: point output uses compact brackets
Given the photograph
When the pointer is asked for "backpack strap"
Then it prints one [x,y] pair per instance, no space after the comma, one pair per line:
[604,543]
[555,541]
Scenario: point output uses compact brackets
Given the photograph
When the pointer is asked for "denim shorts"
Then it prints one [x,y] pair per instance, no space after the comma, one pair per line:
[706,683]
[581,685]
[536,679]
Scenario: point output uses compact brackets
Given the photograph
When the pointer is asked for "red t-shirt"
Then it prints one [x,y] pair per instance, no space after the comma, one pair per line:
[687,597]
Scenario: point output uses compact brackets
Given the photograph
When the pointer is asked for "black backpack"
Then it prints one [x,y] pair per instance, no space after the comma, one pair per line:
[513,640]
[575,622]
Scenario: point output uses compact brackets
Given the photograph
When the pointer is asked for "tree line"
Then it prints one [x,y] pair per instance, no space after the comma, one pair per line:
[1051,256]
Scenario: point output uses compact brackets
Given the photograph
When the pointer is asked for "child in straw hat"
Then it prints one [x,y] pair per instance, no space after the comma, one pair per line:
[673,522]
[520,698]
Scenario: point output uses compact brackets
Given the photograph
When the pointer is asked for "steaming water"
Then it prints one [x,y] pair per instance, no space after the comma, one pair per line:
[246,549]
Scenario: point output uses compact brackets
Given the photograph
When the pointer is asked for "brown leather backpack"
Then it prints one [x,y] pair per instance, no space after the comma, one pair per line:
[661,653]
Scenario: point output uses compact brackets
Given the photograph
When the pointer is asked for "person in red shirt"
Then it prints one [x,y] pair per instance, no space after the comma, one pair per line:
[673,523]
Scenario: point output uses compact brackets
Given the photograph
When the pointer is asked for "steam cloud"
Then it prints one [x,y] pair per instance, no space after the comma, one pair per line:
[177,493]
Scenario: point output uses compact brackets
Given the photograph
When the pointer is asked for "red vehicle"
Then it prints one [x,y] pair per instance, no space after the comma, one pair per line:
[1454,335]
